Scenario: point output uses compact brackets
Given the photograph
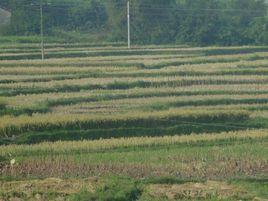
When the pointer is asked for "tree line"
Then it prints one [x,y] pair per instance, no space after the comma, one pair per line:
[199,22]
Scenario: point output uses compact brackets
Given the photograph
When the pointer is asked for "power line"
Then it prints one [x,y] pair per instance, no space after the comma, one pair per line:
[152,13]
[211,9]
[66,5]
[191,14]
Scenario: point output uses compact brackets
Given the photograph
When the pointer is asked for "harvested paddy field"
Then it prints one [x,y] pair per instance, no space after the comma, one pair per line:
[151,123]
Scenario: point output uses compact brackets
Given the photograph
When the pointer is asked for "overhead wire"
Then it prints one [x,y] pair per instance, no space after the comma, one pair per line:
[143,6]
[154,11]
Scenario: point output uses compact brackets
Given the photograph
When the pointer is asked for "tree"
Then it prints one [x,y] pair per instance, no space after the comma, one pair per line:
[198,22]
[153,21]
[89,17]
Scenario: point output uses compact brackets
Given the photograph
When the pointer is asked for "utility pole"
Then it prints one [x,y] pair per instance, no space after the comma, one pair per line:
[42,32]
[128,23]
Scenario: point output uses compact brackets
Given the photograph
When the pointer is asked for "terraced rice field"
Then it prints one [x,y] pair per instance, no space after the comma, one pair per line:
[174,114]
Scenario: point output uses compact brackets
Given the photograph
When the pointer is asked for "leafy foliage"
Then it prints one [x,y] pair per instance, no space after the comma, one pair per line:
[114,189]
[202,22]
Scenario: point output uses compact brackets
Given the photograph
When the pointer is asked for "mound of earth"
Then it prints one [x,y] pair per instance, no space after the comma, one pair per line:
[210,189]
[41,189]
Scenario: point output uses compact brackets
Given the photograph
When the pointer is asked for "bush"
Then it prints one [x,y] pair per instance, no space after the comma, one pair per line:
[114,189]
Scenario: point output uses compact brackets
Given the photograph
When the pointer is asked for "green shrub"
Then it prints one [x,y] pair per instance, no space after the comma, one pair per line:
[113,189]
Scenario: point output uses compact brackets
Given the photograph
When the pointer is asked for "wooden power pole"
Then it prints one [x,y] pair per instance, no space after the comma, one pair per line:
[128,23]
[42,32]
